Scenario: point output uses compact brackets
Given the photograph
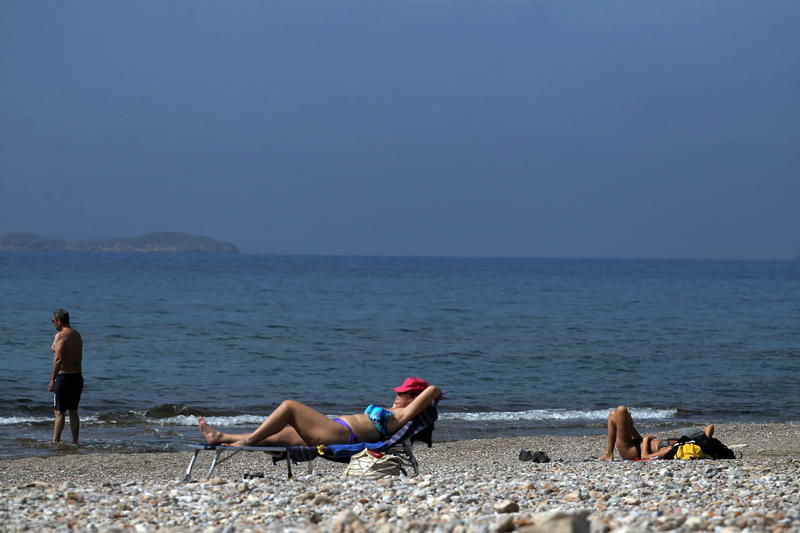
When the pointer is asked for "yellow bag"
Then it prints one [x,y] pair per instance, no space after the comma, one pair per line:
[690,451]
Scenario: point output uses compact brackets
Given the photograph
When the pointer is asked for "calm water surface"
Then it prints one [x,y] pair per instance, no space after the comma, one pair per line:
[522,346]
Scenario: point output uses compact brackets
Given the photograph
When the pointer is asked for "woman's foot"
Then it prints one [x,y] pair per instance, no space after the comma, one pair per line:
[606,457]
[211,435]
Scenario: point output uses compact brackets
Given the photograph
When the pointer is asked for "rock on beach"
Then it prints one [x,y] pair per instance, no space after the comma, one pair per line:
[464,486]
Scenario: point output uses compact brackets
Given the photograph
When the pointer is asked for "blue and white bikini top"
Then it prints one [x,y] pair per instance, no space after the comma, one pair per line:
[379,418]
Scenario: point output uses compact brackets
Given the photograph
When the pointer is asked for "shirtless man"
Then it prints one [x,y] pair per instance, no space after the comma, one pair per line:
[66,381]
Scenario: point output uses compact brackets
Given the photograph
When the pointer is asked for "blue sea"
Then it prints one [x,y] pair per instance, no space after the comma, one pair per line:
[521,346]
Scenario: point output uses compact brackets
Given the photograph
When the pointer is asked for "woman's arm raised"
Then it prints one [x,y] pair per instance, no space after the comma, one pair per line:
[417,405]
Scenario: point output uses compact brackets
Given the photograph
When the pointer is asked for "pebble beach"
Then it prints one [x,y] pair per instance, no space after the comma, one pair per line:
[463,486]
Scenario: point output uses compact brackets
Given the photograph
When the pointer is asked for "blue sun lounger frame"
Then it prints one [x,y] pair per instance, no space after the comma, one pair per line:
[419,428]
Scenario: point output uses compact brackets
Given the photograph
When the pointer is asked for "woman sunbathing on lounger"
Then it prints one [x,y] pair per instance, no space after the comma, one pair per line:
[630,444]
[296,424]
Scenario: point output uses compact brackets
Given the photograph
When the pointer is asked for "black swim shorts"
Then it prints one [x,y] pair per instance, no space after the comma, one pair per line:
[68,392]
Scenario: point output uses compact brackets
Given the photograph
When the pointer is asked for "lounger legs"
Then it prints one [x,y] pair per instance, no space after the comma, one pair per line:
[216,461]
[406,455]
[289,466]
[188,476]
[404,452]
[220,457]
[414,463]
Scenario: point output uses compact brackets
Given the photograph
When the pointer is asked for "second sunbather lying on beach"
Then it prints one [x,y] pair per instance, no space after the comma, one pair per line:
[631,445]
[295,424]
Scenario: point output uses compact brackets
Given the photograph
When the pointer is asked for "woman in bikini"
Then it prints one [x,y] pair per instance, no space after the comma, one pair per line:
[296,424]
[631,445]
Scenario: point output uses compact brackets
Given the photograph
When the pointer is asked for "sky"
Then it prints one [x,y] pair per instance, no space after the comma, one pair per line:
[550,128]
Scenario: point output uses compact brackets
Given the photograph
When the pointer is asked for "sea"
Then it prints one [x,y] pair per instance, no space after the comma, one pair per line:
[521,347]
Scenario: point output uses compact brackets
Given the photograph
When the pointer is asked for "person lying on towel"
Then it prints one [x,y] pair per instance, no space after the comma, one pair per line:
[631,445]
[296,424]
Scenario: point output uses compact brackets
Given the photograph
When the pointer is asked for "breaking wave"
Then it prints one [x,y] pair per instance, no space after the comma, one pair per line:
[563,415]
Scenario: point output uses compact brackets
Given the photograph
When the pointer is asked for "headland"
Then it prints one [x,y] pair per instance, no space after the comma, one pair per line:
[157,242]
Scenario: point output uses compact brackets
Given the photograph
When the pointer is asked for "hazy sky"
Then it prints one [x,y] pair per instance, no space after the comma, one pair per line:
[559,128]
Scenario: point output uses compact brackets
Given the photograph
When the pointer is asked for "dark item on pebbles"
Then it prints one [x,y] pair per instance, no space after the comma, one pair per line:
[536,457]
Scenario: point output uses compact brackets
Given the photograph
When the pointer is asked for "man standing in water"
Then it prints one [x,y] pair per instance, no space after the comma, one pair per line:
[66,381]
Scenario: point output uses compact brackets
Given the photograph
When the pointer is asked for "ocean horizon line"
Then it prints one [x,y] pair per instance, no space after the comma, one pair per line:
[245,252]
[248,251]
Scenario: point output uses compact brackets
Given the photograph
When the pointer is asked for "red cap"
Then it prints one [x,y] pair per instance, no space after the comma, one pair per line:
[412,384]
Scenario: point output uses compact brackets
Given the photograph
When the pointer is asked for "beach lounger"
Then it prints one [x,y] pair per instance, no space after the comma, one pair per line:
[420,428]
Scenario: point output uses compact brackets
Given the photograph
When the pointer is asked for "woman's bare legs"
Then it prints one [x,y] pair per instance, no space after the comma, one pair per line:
[286,437]
[291,424]
[709,430]
[622,434]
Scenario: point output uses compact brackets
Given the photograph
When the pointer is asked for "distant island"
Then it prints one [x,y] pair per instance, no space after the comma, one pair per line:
[163,242]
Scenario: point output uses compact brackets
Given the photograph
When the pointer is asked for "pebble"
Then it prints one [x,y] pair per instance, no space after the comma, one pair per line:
[475,486]
[506,506]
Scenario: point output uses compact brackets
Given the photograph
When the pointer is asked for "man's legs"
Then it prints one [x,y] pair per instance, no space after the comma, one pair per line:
[58,426]
[74,424]
[67,395]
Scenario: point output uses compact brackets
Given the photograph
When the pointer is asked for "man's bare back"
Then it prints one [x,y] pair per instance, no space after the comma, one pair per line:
[67,351]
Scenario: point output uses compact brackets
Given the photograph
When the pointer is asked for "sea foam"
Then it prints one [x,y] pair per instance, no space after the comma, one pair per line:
[558,414]
[221,421]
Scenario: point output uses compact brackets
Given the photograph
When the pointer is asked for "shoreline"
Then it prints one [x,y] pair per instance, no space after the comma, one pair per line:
[471,485]
[585,442]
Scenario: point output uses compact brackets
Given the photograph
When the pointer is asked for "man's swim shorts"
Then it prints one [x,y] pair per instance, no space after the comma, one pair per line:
[68,391]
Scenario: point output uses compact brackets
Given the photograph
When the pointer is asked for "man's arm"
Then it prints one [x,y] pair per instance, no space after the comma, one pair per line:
[58,358]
